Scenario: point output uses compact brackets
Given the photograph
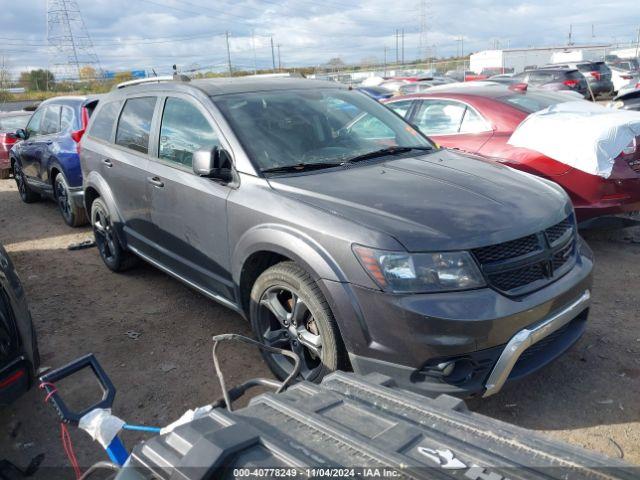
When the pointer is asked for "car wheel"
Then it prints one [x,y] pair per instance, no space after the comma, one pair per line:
[289,311]
[26,194]
[5,173]
[73,215]
[113,255]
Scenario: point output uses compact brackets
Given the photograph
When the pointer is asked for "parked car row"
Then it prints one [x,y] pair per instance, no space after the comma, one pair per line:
[337,228]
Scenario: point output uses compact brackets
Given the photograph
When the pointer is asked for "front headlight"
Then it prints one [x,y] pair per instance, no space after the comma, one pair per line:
[402,272]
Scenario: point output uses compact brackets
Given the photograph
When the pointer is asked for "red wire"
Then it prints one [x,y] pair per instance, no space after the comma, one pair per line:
[68,448]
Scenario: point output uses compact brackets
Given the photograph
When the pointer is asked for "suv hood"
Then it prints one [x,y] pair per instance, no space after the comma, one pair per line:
[439,201]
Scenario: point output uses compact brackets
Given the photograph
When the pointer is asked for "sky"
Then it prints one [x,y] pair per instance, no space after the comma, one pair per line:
[154,34]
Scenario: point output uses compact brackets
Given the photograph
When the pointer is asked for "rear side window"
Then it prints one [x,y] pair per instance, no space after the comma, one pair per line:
[401,108]
[440,117]
[67,118]
[184,130]
[51,121]
[134,126]
[102,125]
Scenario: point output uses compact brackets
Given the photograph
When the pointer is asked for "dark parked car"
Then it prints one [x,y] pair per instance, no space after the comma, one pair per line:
[9,123]
[377,93]
[352,241]
[19,358]
[46,163]
[554,79]
[597,74]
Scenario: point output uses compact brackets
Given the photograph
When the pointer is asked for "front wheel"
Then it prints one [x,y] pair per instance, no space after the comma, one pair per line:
[113,255]
[26,194]
[289,311]
[73,214]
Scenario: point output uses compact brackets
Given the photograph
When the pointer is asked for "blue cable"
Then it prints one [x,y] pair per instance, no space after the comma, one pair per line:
[141,428]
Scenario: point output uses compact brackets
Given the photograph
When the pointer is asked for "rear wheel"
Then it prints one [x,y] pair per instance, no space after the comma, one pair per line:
[73,214]
[5,173]
[289,311]
[26,194]
[113,255]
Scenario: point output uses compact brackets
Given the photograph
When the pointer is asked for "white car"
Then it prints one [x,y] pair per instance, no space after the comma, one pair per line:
[623,78]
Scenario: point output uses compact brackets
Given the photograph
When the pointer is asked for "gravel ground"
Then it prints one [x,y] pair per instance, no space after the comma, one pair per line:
[589,397]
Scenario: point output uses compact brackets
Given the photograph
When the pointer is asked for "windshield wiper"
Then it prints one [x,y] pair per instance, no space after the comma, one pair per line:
[301,167]
[384,152]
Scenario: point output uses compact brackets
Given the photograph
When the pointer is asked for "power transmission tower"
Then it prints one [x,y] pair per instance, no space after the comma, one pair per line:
[71,48]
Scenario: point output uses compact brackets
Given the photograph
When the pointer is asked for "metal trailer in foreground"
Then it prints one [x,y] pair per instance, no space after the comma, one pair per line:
[360,427]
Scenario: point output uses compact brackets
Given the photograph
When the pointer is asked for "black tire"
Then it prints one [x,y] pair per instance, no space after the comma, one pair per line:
[26,194]
[113,255]
[5,173]
[322,349]
[73,215]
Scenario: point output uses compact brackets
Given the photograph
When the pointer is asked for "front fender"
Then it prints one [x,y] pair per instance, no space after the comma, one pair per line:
[291,243]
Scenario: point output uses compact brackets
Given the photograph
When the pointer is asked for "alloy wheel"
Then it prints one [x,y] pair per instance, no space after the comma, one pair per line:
[104,235]
[287,323]
[62,197]
[20,180]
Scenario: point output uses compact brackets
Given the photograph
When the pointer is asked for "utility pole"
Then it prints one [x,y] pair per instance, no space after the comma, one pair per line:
[385,60]
[570,34]
[226,34]
[397,52]
[253,45]
[273,55]
[403,46]
[638,42]
[279,59]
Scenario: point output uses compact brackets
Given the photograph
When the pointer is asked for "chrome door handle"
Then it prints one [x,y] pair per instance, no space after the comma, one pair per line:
[107,162]
[155,181]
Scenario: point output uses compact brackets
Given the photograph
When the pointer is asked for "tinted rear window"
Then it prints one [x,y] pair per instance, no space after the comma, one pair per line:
[534,102]
[135,124]
[587,67]
[102,125]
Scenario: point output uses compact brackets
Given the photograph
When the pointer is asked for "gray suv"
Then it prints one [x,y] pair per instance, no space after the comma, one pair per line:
[338,230]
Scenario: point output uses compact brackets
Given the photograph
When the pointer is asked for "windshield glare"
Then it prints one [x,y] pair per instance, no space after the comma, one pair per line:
[283,128]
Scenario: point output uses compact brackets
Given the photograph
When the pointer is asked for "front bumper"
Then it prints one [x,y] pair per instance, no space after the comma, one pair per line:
[411,337]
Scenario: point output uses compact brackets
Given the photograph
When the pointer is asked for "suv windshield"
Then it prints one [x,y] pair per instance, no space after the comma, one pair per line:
[294,127]
[534,102]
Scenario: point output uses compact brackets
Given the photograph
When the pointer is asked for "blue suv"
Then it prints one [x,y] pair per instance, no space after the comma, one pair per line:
[46,162]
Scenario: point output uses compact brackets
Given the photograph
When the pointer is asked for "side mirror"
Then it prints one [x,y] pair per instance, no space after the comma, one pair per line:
[214,163]
[22,134]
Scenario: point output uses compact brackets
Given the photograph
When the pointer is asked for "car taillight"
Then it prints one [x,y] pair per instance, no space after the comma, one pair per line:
[77,136]
[571,83]
[595,75]
[626,77]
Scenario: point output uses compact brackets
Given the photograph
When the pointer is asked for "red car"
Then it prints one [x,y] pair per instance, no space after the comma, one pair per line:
[9,123]
[481,120]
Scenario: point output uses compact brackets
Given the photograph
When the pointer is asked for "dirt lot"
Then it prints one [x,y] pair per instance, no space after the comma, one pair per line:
[590,397]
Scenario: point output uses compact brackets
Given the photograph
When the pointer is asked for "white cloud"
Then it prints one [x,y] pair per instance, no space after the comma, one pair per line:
[158,33]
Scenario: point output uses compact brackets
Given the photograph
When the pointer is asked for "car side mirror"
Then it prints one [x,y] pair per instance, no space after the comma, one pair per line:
[215,163]
[22,134]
